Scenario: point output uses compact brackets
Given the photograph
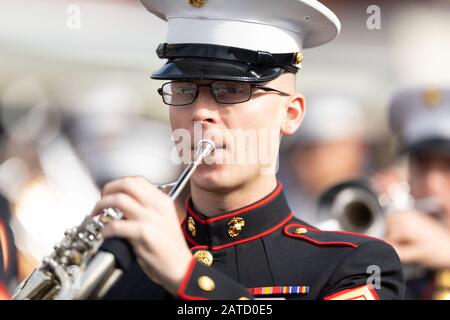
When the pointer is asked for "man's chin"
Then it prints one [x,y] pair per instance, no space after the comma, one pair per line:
[211,177]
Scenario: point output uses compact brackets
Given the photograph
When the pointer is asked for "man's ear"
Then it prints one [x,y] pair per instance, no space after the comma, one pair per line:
[294,113]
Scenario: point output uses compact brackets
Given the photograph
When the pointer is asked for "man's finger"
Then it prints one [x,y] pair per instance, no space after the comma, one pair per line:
[129,230]
[136,187]
[399,233]
[128,205]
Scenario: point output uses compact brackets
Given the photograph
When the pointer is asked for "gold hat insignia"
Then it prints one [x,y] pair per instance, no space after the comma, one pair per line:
[197,3]
[432,97]
[298,58]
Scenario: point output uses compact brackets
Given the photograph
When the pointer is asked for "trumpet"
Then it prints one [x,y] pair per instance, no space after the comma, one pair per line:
[352,206]
[83,265]
[355,206]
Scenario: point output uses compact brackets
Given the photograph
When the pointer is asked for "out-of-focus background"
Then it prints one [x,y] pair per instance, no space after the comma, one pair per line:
[78,108]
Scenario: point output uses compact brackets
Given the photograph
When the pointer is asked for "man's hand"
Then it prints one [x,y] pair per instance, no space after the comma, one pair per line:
[419,238]
[151,227]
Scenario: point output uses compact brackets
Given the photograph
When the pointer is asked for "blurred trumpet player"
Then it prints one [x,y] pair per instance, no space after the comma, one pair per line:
[319,139]
[421,120]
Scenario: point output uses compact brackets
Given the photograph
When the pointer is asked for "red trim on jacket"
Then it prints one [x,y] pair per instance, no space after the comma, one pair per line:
[262,234]
[320,243]
[355,234]
[198,248]
[241,211]
[341,232]
[185,282]
[370,287]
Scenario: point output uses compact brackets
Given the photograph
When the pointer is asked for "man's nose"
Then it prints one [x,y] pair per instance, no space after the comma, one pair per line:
[205,108]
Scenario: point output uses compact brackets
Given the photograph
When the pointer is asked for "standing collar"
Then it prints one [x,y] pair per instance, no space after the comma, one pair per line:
[242,225]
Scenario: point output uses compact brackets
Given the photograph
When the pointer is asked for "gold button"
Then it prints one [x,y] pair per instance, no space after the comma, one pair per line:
[204,257]
[300,231]
[191,226]
[244,298]
[206,283]
[235,226]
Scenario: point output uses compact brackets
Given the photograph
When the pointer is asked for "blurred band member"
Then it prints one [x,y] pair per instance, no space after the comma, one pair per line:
[330,144]
[421,119]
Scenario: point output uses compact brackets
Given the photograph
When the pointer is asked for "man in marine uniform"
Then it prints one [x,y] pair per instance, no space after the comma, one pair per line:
[230,68]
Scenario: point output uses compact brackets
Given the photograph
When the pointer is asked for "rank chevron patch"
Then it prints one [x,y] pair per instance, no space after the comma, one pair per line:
[365,292]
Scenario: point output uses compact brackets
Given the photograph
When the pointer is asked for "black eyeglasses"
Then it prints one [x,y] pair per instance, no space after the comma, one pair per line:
[183,93]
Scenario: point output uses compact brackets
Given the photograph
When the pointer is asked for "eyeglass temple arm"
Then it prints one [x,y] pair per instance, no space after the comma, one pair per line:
[264,88]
